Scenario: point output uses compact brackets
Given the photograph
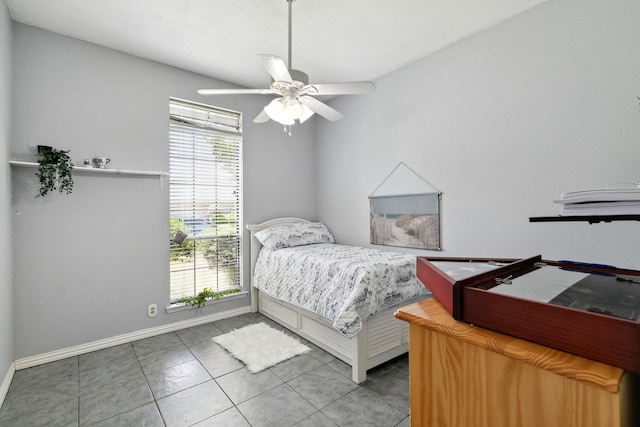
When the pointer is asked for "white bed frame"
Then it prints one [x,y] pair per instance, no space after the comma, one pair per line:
[382,337]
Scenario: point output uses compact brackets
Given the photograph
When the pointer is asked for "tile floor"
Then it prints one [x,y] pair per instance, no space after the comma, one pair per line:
[183,378]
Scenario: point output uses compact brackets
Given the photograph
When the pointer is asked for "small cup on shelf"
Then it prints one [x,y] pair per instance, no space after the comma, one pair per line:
[101,162]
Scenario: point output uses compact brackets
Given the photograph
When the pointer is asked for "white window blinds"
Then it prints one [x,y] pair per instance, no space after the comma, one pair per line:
[205,145]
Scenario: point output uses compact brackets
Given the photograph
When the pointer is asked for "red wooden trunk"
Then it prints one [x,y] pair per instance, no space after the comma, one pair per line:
[600,337]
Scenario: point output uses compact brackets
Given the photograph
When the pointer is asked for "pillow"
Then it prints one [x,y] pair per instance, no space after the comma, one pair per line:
[296,234]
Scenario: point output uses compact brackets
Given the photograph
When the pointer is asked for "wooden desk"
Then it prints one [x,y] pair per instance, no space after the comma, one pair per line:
[464,375]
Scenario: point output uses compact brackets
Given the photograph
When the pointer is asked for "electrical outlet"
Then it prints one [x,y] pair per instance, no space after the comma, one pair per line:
[152,310]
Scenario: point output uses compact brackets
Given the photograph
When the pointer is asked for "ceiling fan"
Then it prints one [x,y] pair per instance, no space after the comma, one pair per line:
[296,101]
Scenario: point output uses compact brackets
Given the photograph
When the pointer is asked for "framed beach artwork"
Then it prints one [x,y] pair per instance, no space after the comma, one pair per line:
[410,220]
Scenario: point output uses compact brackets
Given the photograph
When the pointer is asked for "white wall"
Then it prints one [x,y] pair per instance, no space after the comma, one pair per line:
[6,275]
[88,264]
[502,123]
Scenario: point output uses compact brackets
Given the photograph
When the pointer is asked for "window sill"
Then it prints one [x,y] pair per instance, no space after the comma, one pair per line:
[173,308]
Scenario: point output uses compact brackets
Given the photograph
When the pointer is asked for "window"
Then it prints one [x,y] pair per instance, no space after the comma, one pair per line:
[205,145]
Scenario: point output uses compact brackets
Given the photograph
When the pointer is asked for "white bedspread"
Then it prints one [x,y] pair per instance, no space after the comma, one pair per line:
[344,284]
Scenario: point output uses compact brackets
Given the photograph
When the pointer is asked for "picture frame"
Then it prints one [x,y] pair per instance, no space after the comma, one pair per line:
[411,220]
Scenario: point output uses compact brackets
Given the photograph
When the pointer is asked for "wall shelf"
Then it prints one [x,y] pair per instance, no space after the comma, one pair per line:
[592,219]
[161,174]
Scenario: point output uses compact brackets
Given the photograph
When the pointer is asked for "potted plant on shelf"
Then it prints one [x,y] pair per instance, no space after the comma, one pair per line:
[54,170]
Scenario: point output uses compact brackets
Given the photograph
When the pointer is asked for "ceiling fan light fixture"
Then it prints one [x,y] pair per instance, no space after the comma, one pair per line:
[292,108]
[276,112]
[296,96]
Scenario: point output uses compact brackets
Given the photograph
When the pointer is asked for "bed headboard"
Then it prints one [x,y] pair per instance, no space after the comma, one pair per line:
[256,246]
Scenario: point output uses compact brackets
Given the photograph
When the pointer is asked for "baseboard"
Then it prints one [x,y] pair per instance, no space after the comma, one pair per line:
[6,382]
[39,359]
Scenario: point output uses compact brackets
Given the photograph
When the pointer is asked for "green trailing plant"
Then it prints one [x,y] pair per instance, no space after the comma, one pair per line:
[55,171]
[207,294]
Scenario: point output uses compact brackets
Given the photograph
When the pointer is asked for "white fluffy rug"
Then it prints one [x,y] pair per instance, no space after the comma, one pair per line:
[260,346]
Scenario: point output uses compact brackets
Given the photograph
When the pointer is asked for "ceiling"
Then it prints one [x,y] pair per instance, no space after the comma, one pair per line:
[333,40]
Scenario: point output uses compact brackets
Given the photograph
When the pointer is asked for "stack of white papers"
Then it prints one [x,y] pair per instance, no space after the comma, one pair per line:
[601,201]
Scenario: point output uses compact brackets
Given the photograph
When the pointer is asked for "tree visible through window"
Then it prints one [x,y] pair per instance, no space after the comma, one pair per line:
[205,183]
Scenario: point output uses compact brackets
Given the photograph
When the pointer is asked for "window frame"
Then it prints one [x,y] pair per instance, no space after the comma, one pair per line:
[224,123]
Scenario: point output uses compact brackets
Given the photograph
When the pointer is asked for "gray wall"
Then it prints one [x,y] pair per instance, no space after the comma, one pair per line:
[88,264]
[502,123]
[6,275]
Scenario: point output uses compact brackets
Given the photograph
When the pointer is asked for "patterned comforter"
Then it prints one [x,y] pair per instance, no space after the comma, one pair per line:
[344,284]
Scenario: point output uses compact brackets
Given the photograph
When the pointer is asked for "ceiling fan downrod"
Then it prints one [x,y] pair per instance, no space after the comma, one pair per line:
[290,3]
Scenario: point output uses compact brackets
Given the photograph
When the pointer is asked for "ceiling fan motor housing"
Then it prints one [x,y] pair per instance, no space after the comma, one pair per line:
[299,77]
[299,80]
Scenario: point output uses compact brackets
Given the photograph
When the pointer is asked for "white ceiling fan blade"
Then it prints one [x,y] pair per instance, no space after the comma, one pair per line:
[306,114]
[347,88]
[276,67]
[235,91]
[321,108]
[262,117]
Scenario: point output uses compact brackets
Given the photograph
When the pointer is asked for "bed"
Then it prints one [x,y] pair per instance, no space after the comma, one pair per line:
[357,326]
